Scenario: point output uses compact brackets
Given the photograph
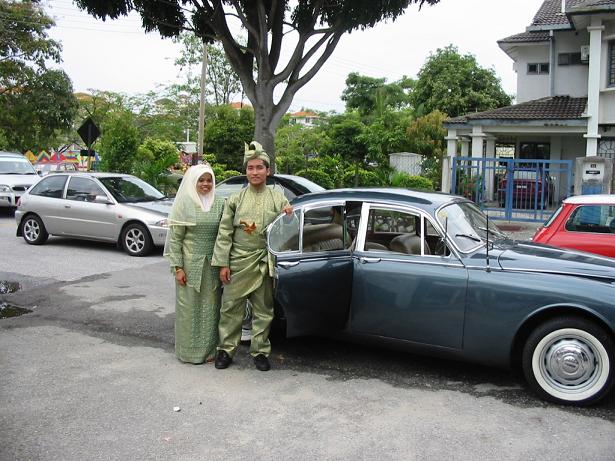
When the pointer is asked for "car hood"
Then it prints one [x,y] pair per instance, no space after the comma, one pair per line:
[544,258]
[158,206]
[18,179]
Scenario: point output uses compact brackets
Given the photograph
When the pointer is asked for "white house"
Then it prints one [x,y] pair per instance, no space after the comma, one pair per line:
[305,118]
[565,65]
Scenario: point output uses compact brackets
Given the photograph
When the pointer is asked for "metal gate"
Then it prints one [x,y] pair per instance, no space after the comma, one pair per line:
[513,189]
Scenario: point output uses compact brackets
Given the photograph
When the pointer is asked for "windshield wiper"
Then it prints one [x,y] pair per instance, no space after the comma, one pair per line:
[468,236]
[491,231]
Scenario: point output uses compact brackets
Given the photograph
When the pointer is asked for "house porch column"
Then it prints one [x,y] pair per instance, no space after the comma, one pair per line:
[477,141]
[490,169]
[593,86]
[447,162]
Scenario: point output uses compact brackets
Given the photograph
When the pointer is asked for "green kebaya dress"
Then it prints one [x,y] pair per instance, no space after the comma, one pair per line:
[197,303]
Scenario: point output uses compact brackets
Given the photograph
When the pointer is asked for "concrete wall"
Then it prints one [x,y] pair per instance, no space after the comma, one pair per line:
[531,87]
[570,80]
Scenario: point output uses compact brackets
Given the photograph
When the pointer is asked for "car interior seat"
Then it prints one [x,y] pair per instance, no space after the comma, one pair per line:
[408,244]
[323,237]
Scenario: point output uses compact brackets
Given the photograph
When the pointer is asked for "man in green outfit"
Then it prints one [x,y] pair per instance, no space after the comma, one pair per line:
[241,254]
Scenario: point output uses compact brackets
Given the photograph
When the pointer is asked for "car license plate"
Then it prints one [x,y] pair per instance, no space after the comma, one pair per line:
[521,186]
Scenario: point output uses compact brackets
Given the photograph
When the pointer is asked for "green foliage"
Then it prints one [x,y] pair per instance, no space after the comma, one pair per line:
[373,95]
[36,104]
[119,143]
[295,145]
[404,180]
[317,28]
[432,170]
[426,135]
[226,133]
[332,165]
[25,47]
[228,174]
[361,177]
[35,115]
[152,160]
[457,85]
[318,176]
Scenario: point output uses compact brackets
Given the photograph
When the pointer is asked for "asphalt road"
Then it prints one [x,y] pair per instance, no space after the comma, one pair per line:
[90,374]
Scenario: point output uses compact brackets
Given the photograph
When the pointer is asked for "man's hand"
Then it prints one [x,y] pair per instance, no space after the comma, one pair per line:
[180,276]
[288,210]
[225,274]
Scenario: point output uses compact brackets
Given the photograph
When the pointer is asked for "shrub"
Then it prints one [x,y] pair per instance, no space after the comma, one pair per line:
[404,180]
[319,177]
[366,178]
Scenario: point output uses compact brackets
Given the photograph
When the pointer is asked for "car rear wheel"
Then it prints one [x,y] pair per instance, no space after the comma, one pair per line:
[569,360]
[136,240]
[33,230]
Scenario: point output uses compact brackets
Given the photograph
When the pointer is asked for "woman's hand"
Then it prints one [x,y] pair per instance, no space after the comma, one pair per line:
[225,274]
[180,276]
[288,210]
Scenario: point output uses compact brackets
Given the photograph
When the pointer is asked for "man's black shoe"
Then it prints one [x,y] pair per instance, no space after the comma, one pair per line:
[261,362]
[223,360]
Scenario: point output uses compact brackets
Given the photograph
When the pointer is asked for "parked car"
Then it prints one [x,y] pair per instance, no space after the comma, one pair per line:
[110,207]
[430,273]
[291,186]
[531,188]
[43,169]
[583,222]
[16,175]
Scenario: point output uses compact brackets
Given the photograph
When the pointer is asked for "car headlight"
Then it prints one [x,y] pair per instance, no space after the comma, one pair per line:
[4,188]
[162,223]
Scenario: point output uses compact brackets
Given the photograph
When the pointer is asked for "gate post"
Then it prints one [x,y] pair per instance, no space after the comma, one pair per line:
[446,174]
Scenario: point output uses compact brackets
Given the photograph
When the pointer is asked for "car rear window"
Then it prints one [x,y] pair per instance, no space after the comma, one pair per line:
[592,218]
[52,186]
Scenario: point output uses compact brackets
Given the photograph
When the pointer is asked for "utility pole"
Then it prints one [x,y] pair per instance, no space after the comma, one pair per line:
[199,148]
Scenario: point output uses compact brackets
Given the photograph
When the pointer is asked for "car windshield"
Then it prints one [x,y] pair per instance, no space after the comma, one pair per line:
[306,185]
[16,167]
[126,189]
[466,225]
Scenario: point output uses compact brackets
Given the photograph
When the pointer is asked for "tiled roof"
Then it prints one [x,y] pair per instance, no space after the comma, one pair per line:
[526,37]
[303,113]
[593,5]
[550,108]
[550,13]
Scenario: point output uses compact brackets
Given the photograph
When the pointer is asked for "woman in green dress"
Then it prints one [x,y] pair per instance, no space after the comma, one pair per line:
[193,226]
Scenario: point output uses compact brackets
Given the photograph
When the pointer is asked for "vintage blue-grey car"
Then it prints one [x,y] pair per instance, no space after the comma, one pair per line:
[429,272]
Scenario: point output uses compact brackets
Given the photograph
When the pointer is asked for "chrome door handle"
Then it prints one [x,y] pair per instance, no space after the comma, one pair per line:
[365,260]
[286,264]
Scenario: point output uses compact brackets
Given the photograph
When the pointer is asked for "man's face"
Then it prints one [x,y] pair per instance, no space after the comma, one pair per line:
[256,171]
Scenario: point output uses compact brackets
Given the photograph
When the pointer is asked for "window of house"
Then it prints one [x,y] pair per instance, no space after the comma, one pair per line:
[611,64]
[534,150]
[569,59]
[538,68]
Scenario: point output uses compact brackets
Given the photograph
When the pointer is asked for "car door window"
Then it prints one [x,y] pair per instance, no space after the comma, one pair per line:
[52,186]
[592,218]
[324,230]
[83,190]
[400,232]
[283,235]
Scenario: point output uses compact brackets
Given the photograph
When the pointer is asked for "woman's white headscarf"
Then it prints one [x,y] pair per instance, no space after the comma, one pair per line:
[183,212]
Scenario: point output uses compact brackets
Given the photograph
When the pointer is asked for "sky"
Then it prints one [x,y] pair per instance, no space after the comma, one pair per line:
[118,56]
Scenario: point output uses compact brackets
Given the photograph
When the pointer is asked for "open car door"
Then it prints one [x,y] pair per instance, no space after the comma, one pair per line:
[313,269]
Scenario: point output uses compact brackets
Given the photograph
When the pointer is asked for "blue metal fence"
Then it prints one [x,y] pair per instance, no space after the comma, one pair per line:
[513,189]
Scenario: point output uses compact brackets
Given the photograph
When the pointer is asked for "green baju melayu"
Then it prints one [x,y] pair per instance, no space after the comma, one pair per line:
[197,303]
[241,246]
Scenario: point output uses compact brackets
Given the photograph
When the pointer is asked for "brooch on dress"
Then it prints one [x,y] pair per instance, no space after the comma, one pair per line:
[248,228]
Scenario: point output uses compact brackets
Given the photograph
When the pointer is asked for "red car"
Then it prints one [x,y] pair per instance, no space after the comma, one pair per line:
[583,222]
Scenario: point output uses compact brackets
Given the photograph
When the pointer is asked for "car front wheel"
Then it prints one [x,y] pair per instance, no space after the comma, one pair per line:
[136,240]
[33,230]
[569,360]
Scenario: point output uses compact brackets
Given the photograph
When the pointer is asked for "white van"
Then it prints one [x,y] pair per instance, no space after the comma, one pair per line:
[16,176]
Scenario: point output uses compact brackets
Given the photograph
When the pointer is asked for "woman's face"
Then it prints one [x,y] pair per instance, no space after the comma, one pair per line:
[204,184]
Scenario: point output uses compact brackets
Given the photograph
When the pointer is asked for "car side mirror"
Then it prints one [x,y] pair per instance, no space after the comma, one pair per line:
[39,172]
[102,199]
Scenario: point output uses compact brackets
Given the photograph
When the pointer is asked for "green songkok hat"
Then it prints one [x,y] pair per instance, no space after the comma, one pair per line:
[255,151]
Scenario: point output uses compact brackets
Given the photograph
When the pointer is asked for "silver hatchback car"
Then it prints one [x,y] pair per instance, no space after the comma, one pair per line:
[111,207]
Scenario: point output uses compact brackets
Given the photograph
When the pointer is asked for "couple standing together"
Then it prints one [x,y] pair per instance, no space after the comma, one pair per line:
[210,242]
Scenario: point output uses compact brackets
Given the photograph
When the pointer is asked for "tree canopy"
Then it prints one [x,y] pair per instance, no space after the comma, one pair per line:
[371,95]
[312,27]
[456,84]
[36,103]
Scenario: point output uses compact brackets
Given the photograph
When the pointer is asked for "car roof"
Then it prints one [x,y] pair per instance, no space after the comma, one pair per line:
[11,155]
[603,199]
[94,174]
[426,200]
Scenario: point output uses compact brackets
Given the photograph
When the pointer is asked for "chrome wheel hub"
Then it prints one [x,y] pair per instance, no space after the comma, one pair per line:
[569,362]
[135,240]
[31,230]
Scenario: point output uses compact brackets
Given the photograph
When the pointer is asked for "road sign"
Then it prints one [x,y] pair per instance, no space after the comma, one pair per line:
[89,132]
